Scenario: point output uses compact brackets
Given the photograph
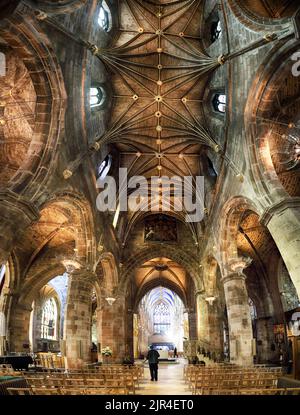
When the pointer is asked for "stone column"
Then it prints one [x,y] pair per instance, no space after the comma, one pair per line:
[77,327]
[18,329]
[239,319]
[192,316]
[283,222]
[113,333]
[129,347]
[16,214]
[209,325]
[99,332]
[203,324]
[265,338]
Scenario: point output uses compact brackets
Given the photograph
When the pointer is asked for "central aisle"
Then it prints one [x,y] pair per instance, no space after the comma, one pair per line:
[170,381]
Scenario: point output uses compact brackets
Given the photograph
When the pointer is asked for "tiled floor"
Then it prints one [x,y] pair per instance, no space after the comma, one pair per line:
[170,381]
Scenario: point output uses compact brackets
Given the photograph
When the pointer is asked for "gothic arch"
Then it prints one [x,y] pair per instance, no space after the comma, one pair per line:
[229,226]
[82,220]
[247,15]
[175,254]
[107,272]
[33,50]
[163,282]
[59,7]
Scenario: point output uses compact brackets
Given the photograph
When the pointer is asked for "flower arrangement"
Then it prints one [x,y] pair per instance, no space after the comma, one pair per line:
[106,352]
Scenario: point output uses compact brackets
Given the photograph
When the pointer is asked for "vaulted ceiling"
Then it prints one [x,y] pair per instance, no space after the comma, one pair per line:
[159,72]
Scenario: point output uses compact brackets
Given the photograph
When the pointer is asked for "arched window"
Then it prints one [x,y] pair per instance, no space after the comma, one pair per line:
[216,30]
[219,103]
[104,18]
[2,277]
[211,168]
[49,320]
[161,318]
[97,96]
[104,167]
[253,311]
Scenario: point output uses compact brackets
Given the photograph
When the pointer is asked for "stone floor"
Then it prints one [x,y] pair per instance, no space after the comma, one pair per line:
[170,381]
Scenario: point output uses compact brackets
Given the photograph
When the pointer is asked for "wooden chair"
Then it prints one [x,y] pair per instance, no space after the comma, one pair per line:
[46,391]
[261,391]
[292,391]
[35,382]
[19,391]
[73,391]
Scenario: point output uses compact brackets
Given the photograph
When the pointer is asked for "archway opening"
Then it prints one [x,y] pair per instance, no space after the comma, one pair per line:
[47,316]
[161,321]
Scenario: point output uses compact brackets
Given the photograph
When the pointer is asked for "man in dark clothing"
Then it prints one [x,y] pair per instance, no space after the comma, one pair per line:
[152,358]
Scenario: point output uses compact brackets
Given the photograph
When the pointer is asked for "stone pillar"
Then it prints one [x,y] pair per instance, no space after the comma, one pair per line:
[99,332]
[192,316]
[265,338]
[16,214]
[210,332]
[113,333]
[77,327]
[18,329]
[203,324]
[283,222]
[239,319]
[129,347]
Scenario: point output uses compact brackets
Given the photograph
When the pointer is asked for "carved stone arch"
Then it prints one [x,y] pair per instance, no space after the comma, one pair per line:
[163,282]
[265,180]
[59,7]
[107,270]
[231,216]
[32,158]
[82,217]
[38,277]
[255,22]
[175,254]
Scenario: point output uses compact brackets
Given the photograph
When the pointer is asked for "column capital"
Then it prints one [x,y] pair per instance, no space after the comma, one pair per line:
[234,276]
[279,207]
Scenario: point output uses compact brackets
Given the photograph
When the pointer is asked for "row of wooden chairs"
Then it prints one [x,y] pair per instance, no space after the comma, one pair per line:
[190,373]
[7,370]
[69,391]
[203,380]
[63,382]
[253,391]
[201,386]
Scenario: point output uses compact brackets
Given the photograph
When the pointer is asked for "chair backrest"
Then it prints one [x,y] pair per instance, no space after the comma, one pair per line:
[19,391]
[46,391]
[292,391]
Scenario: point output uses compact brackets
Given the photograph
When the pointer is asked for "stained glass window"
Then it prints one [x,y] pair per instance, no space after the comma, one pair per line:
[104,17]
[161,318]
[2,276]
[216,30]
[253,312]
[97,96]
[104,167]
[49,319]
[219,102]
